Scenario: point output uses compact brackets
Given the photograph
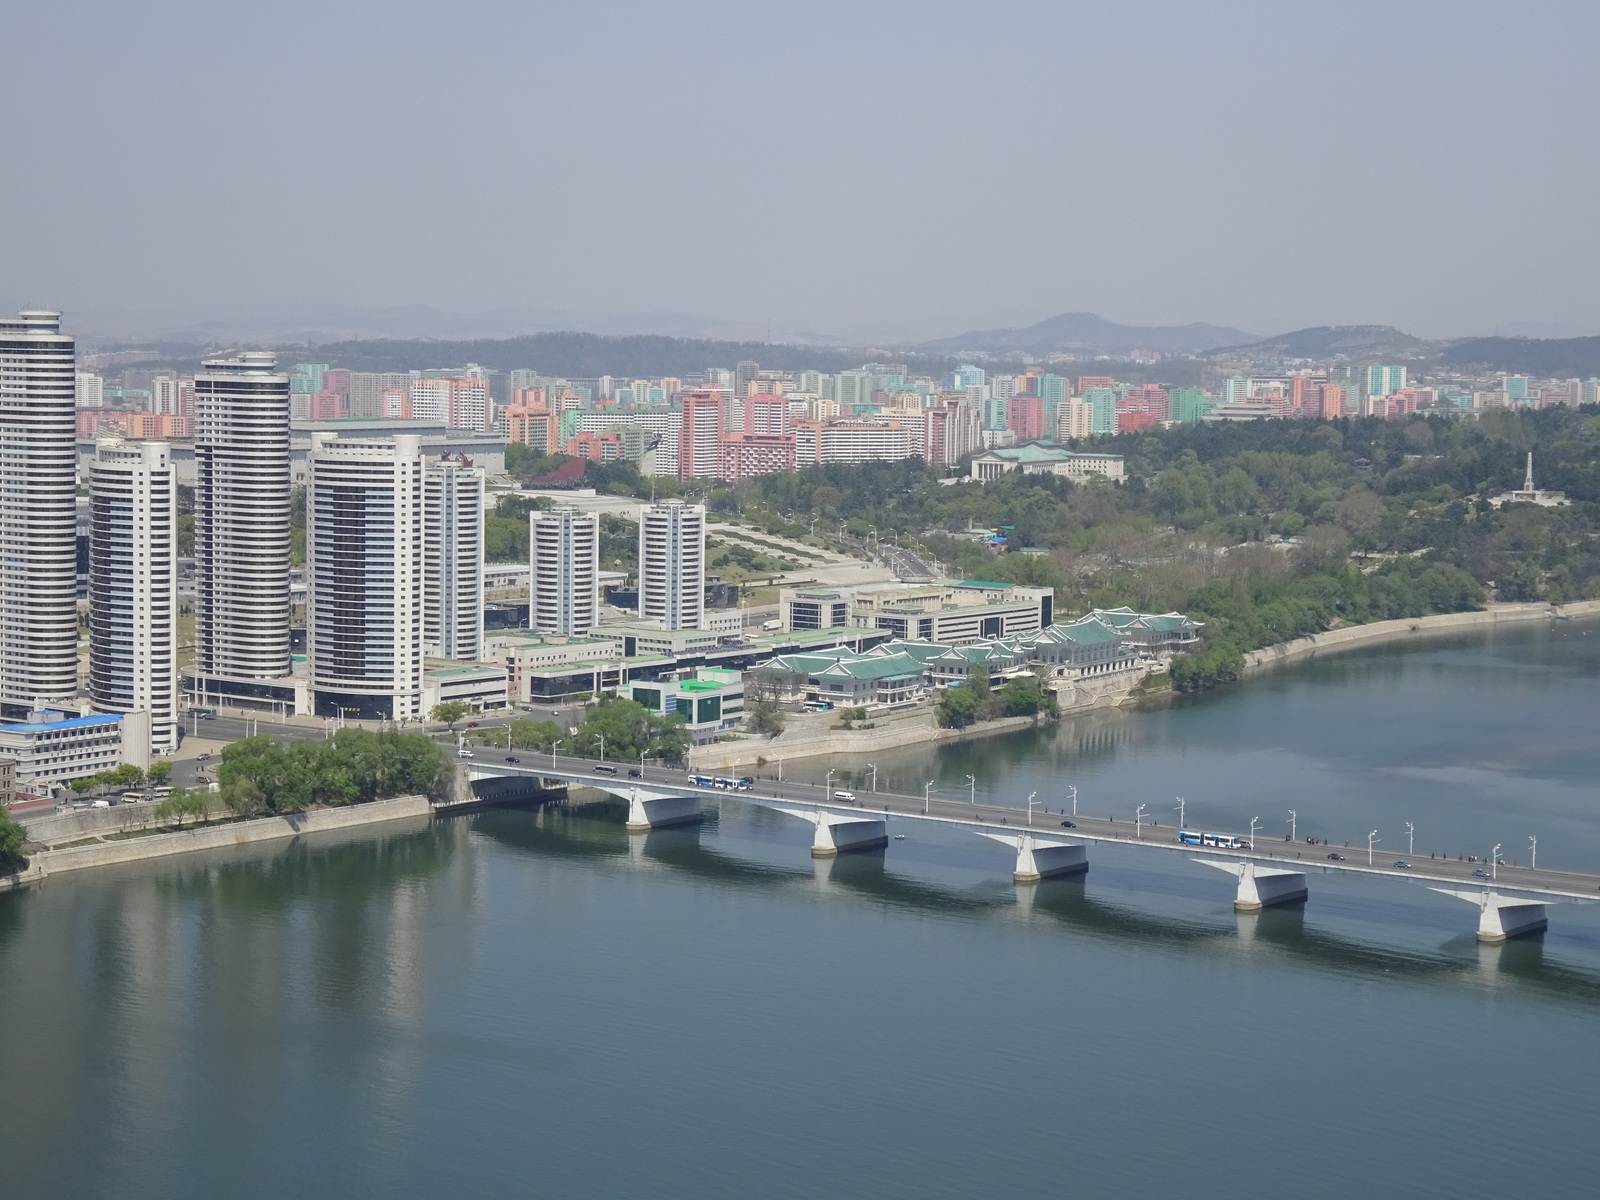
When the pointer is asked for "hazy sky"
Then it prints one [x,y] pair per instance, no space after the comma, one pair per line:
[918,167]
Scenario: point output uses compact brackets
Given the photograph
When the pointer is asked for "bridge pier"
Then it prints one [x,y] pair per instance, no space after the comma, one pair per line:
[1261,887]
[1501,917]
[1040,858]
[839,833]
[655,810]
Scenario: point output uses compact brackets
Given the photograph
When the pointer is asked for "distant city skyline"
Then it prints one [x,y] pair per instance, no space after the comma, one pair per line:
[886,172]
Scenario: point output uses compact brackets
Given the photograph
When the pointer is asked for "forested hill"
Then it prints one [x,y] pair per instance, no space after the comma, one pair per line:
[1266,531]
[1556,358]
[588,355]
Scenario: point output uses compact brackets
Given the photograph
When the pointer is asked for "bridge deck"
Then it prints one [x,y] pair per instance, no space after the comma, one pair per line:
[1567,885]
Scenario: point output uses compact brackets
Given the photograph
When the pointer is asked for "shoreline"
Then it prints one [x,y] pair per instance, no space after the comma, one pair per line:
[1374,633]
[45,863]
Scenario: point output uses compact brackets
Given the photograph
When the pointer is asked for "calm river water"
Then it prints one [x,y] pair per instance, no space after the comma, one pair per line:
[520,1004]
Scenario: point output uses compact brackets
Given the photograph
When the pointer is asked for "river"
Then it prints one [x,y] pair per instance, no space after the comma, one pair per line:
[534,1004]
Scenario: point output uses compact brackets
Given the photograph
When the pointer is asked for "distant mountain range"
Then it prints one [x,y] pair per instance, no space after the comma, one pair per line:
[1331,341]
[1081,332]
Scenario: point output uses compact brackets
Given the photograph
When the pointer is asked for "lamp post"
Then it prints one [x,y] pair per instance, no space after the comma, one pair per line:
[1074,788]
[780,770]
[1138,822]
[1494,862]
[1293,817]
[1254,821]
[1533,844]
[827,787]
[553,746]
[1411,839]
[874,768]
[1031,795]
[602,738]
[972,789]
[1372,839]
[927,792]
[1179,807]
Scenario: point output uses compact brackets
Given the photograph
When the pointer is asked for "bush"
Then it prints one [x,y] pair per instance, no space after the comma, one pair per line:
[12,836]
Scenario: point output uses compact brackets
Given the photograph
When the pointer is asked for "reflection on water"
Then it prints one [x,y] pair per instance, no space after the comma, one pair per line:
[527,1002]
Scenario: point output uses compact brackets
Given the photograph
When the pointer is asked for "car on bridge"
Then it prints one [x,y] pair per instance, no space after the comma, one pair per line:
[511,758]
[1482,874]
[605,769]
[635,773]
[1402,864]
[1336,857]
[1069,824]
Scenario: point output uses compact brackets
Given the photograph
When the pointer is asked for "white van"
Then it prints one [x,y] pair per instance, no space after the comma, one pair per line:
[848,797]
[463,753]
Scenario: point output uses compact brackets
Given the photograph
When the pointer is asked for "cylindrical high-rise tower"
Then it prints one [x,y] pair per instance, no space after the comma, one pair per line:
[241,507]
[39,517]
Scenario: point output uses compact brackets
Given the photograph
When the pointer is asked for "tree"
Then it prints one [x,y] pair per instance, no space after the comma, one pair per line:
[450,711]
[12,837]
[958,707]
[160,771]
[766,718]
[183,803]
[629,729]
[85,785]
[535,735]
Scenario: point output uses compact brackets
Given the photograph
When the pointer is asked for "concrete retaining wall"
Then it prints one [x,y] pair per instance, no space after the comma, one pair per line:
[1378,632]
[159,845]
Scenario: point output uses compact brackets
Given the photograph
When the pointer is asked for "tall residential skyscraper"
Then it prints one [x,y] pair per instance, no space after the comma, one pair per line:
[241,543]
[452,548]
[672,564]
[564,588]
[364,571]
[39,517]
[699,435]
[133,584]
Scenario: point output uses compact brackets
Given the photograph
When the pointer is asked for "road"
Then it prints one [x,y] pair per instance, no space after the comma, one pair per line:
[1047,822]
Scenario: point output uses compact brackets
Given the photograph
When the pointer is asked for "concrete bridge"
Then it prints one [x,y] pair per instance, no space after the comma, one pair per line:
[1510,903]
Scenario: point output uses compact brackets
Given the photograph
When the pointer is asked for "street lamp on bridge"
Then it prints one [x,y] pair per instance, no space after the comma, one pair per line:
[1533,844]
[1411,839]
[1031,795]
[873,767]
[972,789]
[827,787]
[927,791]
[1494,863]
[1179,807]
[1372,839]
[1254,821]
[1138,821]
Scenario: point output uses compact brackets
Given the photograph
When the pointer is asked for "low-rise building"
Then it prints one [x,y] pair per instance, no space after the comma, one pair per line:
[1150,633]
[947,611]
[1044,458]
[50,749]
[482,685]
[711,702]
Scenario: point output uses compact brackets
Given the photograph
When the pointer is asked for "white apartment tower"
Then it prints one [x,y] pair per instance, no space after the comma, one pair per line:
[564,588]
[453,560]
[364,574]
[38,519]
[133,584]
[672,564]
[241,506]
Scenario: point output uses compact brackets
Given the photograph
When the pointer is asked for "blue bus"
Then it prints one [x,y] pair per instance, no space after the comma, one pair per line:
[702,781]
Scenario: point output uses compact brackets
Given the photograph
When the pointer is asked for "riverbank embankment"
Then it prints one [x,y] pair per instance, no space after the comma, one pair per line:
[1378,632]
[815,736]
[45,863]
